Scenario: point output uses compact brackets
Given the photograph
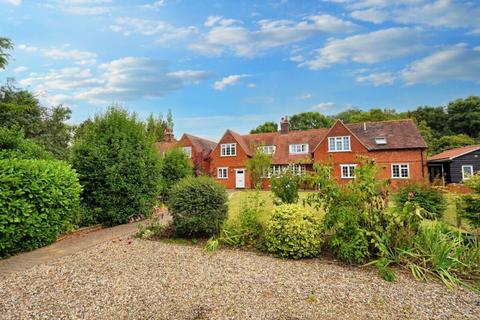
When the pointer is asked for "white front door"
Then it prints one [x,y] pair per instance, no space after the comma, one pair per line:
[239,178]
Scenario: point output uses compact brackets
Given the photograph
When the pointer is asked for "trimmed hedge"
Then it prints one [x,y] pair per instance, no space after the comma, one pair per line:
[198,207]
[38,200]
[294,232]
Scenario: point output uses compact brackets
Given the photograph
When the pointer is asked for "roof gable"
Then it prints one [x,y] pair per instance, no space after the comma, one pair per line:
[201,144]
[334,126]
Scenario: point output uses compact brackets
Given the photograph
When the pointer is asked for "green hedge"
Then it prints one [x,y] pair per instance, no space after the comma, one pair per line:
[198,207]
[38,200]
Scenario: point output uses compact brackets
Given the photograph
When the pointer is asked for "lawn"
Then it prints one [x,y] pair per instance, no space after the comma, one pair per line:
[239,197]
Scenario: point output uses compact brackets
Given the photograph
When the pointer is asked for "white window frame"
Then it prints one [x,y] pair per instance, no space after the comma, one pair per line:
[381,140]
[334,147]
[270,149]
[299,169]
[349,166]
[298,148]
[227,148]
[463,172]
[188,151]
[220,171]
[400,170]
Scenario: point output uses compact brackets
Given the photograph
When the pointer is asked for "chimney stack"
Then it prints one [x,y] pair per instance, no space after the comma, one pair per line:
[168,135]
[284,125]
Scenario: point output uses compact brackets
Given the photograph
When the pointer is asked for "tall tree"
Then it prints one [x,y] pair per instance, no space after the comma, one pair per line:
[464,116]
[374,114]
[268,126]
[449,142]
[5,45]
[309,120]
[434,117]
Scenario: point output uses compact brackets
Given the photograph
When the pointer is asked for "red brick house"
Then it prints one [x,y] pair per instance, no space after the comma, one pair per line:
[196,148]
[396,146]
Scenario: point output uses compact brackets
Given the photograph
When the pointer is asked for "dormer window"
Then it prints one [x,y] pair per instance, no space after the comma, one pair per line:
[339,144]
[381,140]
[300,148]
[228,149]
[267,149]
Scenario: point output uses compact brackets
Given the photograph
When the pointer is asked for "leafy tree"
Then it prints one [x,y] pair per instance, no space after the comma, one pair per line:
[118,167]
[449,142]
[258,165]
[355,115]
[427,134]
[13,145]
[268,126]
[310,120]
[464,116]
[175,166]
[20,110]
[5,44]
[434,117]
[156,126]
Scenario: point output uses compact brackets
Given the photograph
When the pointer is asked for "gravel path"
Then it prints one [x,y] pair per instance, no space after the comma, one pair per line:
[136,279]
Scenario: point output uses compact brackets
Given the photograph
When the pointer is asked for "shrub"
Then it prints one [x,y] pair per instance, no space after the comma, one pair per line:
[246,230]
[38,200]
[469,208]
[154,229]
[14,145]
[474,182]
[427,197]
[175,166]
[285,186]
[198,207]
[118,167]
[293,231]
[258,166]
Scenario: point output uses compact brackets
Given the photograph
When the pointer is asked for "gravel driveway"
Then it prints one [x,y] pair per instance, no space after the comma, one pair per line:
[137,279]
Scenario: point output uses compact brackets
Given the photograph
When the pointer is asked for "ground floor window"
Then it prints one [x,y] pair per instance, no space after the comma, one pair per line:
[276,169]
[467,172]
[348,170]
[400,170]
[222,173]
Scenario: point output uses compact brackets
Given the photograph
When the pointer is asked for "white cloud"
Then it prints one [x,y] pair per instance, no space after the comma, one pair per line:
[459,62]
[154,5]
[251,85]
[81,7]
[228,81]
[370,15]
[13,2]
[230,35]
[80,57]
[165,31]
[27,48]
[305,96]
[126,79]
[324,106]
[377,79]
[371,47]
[20,69]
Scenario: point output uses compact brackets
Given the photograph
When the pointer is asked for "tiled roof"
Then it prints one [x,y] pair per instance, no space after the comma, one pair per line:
[281,142]
[454,153]
[399,134]
[201,144]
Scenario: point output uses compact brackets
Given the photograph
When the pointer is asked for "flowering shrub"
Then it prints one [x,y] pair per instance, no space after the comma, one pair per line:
[285,186]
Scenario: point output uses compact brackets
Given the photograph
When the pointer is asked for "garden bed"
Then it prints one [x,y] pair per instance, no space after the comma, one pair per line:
[147,279]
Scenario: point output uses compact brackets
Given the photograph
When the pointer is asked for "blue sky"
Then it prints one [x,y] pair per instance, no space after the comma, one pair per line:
[236,64]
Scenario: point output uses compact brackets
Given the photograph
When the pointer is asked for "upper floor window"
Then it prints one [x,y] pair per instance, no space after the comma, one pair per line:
[187,151]
[299,148]
[339,144]
[348,171]
[467,172]
[400,171]
[228,149]
[267,149]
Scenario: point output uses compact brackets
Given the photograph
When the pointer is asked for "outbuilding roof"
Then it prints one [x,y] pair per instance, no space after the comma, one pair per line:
[454,153]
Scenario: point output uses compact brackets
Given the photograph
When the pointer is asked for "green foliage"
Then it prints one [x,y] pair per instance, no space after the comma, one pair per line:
[154,229]
[156,126]
[38,200]
[433,117]
[427,197]
[294,232]
[198,207]
[118,167]
[469,208]
[246,230]
[356,115]
[5,44]
[474,182]
[285,186]
[449,142]
[464,116]
[258,166]
[13,145]
[175,166]
[268,126]
[444,254]
[310,120]
[21,110]
[211,245]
